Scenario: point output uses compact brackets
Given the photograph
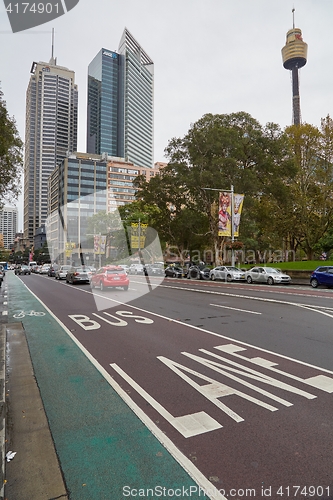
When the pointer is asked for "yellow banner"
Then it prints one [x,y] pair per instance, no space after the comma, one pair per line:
[99,244]
[135,229]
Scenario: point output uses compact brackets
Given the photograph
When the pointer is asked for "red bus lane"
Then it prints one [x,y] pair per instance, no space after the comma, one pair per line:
[247,418]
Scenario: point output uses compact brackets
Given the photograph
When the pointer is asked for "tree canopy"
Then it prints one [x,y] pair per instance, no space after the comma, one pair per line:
[286,176]
[10,156]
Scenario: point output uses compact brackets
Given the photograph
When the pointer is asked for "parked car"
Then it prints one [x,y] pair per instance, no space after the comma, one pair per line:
[61,272]
[323,275]
[227,273]
[52,270]
[199,272]
[44,269]
[125,267]
[24,269]
[268,275]
[136,269]
[154,270]
[174,272]
[110,277]
[77,275]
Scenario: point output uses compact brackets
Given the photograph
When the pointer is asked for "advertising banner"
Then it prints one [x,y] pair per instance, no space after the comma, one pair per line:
[225,213]
[99,244]
[137,228]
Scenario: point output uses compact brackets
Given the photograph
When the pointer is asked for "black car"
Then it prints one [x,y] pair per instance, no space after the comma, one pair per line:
[51,272]
[323,275]
[174,272]
[199,272]
[78,275]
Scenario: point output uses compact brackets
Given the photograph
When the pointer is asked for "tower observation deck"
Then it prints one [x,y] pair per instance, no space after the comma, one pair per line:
[294,56]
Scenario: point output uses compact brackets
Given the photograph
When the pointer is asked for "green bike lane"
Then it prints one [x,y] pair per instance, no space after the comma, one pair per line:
[105,451]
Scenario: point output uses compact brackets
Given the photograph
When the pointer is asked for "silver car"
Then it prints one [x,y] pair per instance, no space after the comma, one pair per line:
[227,273]
[268,275]
[61,273]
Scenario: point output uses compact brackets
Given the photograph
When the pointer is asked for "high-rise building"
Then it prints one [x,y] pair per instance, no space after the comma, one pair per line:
[51,133]
[120,118]
[8,225]
[85,184]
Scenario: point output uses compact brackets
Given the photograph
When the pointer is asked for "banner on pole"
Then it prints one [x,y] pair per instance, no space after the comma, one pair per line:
[135,229]
[99,244]
[225,213]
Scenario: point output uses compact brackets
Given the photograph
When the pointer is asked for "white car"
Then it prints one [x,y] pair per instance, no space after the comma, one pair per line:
[44,269]
[125,267]
[136,269]
[227,273]
[268,275]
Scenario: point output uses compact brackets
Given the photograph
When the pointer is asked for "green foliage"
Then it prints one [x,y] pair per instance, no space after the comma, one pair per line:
[10,156]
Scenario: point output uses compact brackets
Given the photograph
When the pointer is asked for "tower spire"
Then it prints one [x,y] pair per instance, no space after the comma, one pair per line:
[53,60]
[293,11]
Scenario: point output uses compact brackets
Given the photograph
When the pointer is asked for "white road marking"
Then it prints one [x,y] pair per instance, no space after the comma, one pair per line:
[319,381]
[186,464]
[304,363]
[250,373]
[188,425]
[235,309]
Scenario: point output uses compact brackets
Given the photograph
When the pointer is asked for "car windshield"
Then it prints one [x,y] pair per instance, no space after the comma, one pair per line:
[272,270]
[231,268]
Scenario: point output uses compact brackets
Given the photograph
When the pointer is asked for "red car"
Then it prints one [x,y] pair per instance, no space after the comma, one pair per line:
[110,277]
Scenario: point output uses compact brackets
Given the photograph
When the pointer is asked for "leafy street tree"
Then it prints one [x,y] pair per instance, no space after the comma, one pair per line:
[307,213]
[10,156]
[218,151]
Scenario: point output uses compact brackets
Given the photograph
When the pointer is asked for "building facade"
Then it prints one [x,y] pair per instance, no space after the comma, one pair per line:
[81,186]
[51,132]
[8,226]
[120,118]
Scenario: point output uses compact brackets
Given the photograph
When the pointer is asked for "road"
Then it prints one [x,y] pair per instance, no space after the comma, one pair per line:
[235,380]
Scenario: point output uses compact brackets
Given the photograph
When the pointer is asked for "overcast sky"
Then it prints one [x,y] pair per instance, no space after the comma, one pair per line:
[210,56]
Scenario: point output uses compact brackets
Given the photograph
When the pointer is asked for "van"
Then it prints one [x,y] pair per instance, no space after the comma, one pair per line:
[32,264]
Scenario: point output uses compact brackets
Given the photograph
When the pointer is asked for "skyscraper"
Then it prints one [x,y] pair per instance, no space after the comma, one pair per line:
[51,132]
[8,225]
[120,103]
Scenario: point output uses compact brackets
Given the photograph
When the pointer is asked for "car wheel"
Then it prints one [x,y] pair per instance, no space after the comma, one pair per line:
[101,286]
[314,283]
[229,278]
[125,288]
[194,274]
[270,281]
[249,279]
[174,275]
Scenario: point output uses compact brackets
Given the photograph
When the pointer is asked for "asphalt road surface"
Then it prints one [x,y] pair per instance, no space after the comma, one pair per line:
[237,377]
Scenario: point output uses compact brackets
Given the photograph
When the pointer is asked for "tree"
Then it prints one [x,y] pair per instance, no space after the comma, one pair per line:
[10,156]
[309,207]
[218,151]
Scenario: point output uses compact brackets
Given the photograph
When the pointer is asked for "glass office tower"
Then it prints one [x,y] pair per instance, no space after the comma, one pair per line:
[120,103]
[105,120]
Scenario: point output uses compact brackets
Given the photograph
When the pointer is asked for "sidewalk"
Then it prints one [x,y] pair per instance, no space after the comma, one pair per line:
[34,472]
